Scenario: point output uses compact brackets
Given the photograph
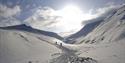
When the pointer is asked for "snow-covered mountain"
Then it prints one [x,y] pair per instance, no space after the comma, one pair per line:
[107,41]
[83,32]
[24,27]
[89,26]
[105,44]
[111,29]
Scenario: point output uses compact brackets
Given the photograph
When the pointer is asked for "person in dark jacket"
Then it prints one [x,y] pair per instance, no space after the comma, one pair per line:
[60,44]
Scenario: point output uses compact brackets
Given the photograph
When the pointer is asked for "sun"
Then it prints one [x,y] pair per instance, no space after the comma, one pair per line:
[71,16]
[71,13]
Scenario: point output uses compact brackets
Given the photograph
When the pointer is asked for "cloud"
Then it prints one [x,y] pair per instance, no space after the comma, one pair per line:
[43,18]
[7,15]
[9,12]
[9,22]
[46,18]
[102,12]
[108,9]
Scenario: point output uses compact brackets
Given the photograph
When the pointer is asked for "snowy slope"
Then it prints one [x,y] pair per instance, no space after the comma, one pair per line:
[111,29]
[107,41]
[89,26]
[83,32]
[22,47]
[105,53]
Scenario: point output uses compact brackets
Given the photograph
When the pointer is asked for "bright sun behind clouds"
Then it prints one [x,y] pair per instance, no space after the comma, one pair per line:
[71,17]
[71,13]
[67,20]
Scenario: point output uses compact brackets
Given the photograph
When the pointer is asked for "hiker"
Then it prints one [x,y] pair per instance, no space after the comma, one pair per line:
[60,44]
[29,62]
[56,43]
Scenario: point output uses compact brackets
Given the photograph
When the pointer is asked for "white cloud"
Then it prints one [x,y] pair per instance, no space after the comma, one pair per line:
[102,12]
[43,18]
[7,15]
[9,22]
[9,12]
[47,19]
[107,9]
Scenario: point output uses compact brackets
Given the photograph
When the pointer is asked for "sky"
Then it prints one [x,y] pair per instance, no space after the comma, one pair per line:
[64,17]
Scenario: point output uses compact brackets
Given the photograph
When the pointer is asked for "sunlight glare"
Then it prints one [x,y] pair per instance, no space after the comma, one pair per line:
[71,13]
[71,16]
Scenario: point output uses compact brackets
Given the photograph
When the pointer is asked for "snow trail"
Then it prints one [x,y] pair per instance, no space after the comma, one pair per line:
[69,56]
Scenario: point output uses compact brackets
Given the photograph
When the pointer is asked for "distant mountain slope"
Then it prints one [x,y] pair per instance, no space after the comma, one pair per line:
[86,29]
[112,29]
[83,32]
[90,25]
[23,27]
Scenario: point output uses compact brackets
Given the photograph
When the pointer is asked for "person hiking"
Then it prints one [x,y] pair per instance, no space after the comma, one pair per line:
[56,43]
[60,44]
[30,62]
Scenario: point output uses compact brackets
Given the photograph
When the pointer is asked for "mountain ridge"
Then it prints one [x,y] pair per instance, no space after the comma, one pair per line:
[24,27]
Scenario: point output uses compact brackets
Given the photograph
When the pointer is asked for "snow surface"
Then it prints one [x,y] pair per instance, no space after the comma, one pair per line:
[25,47]
[21,47]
